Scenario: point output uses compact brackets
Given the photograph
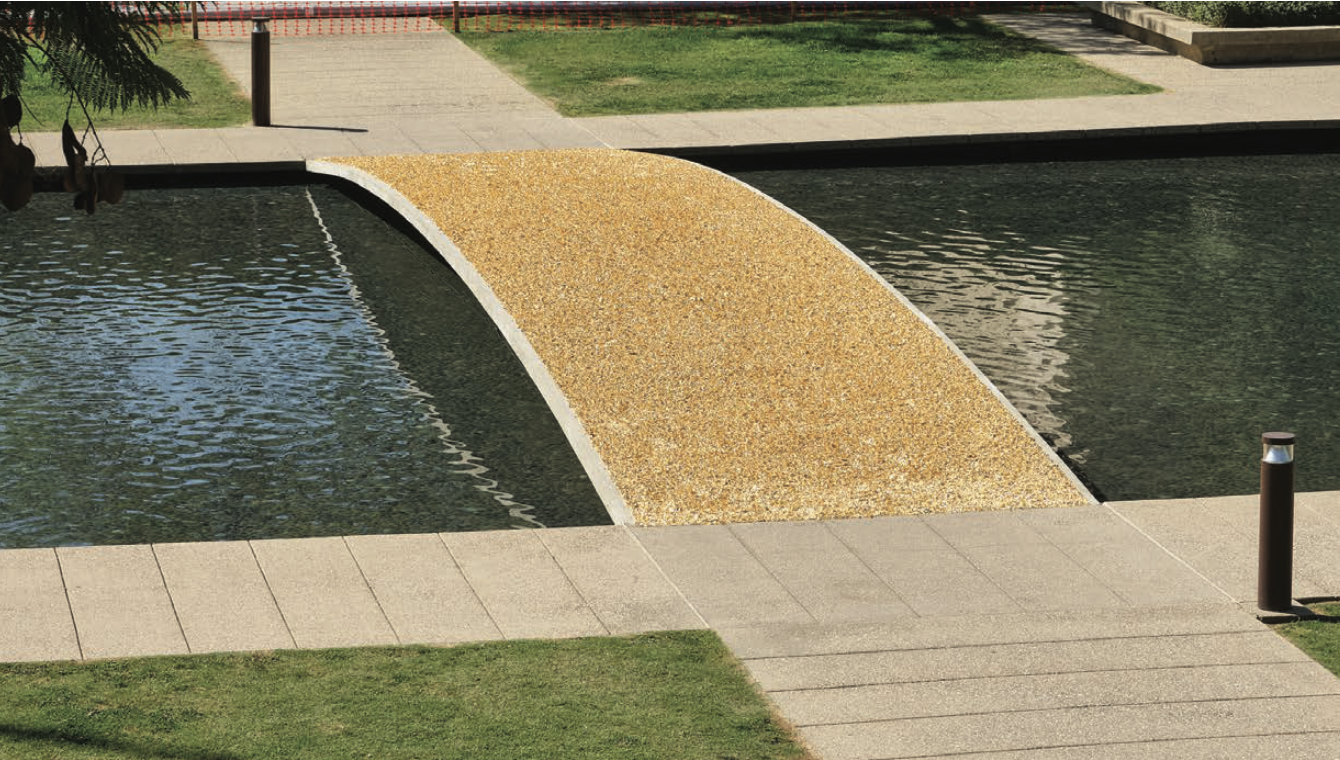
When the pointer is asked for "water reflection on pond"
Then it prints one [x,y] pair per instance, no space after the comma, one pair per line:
[212,364]
[1150,318]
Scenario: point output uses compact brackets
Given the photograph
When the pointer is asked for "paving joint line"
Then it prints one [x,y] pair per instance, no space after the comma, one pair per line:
[730,529]
[828,527]
[344,540]
[457,564]
[264,579]
[1064,708]
[69,607]
[171,602]
[1108,506]
[1130,603]
[572,584]
[974,566]
[1124,743]
[1029,642]
[1051,674]
[678,591]
[1043,674]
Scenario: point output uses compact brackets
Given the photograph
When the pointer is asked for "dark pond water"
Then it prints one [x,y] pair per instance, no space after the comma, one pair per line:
[1150,318]
[215,364]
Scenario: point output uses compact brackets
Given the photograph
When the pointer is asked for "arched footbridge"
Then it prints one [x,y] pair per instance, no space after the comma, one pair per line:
[712,356]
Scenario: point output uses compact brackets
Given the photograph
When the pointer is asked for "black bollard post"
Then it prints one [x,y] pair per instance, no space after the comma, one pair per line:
[260,72]
[1274,584]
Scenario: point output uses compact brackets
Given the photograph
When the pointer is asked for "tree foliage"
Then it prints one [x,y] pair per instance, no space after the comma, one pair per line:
[98,52]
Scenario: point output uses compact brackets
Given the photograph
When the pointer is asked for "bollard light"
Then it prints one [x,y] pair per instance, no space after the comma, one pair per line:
[1274,582]
[260,71]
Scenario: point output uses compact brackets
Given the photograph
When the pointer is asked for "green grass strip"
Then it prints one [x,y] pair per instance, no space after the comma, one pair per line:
[216,100]
[905,59]
[1320,638]
[662,696]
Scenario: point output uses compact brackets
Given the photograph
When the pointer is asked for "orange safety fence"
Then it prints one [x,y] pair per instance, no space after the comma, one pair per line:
[232,19]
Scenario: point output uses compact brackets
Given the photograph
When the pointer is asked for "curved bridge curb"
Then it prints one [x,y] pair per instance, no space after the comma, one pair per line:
[535,367]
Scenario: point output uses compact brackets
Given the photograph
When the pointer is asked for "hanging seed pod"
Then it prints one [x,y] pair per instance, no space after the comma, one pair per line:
[90,197]
[11,110]
[111,187]
[26,159]
[16,190]
[75,159]
[9,153]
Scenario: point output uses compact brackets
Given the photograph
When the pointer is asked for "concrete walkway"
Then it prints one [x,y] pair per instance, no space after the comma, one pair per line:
[1094,632]
[1103,631]
[427,92]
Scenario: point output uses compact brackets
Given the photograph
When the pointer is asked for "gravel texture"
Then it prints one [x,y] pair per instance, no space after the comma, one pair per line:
[729,362]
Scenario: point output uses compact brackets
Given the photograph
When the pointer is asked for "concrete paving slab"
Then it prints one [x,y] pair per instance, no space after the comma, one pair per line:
[967,530]
[322,593]
[739,127]
[194,146]
[221,598]
[1079,525]
[1207,541]
[124,148]
[497,136]
[1324,504]
[1049,692]
[755,642]
[723,581]
[942,583]
[1219,538]
[258,145]
[436,137]
[1041,577]
[927,573]
[820,571]
[620,582]
[1264,747]
[872,536]
[620,131]
[807,639]
[311,142]
[120,605]
[383,139]
[423,593]
[556,134]
[1032,658]
[1316,555]
[675,130]
[1141,573]
[35,620]
[922,737]
[524,590]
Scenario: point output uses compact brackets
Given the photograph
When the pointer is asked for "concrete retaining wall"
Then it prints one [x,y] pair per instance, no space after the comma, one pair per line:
[1210,45]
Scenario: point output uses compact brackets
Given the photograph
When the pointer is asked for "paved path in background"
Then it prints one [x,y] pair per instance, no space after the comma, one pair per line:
[1098,632]
[347,96]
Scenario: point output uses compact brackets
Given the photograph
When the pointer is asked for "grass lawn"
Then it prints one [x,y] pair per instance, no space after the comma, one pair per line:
[666,695]
[1320,638]
[905,59]
[215,100]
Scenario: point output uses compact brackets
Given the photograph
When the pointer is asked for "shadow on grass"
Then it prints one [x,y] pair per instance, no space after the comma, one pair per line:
[942,37]
[57,739]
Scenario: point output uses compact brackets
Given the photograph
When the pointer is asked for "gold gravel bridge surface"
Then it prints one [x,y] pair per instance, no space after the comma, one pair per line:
[712,356]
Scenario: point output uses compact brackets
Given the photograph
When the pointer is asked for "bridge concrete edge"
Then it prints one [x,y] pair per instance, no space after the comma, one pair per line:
[934,328]
[573,429]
